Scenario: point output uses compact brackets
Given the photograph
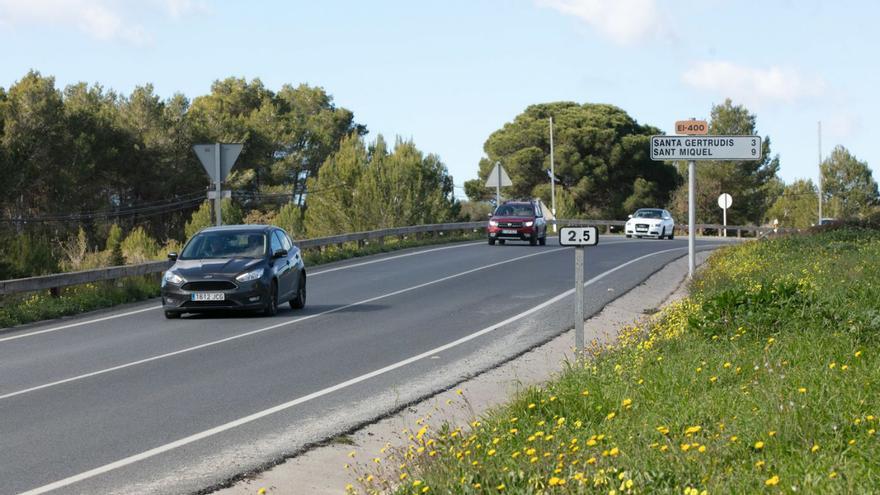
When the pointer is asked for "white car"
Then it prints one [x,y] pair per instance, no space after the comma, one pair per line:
[650,222]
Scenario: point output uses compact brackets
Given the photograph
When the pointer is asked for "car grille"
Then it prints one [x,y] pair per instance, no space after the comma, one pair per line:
[642,226]
[209,285]
[510,224]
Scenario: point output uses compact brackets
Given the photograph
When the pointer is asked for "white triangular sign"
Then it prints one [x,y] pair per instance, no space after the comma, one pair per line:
[492,180]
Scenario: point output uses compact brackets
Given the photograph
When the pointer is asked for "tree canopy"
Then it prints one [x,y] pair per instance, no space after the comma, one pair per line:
[848,186]
[602,163]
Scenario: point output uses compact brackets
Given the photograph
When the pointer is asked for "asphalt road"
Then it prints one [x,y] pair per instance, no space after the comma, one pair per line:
[127,402]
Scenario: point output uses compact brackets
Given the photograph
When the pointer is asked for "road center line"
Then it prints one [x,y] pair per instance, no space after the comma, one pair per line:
[153,308]
[320,393]
[270,327]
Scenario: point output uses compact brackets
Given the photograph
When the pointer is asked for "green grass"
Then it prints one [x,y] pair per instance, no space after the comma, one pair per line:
[35,306]
[17,309]
[765,380]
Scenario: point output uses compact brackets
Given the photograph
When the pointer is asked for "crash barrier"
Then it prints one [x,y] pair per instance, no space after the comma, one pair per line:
[56,281]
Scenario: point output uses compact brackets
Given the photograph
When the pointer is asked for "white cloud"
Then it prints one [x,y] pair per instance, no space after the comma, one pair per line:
[753,85]
[622,21]
[105,20]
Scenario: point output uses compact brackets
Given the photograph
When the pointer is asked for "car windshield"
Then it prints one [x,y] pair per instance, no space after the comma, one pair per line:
[515,211]
[225,245]
[649,214]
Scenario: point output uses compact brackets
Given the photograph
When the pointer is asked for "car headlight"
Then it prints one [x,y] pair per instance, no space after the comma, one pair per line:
[493,223]
[171,277]
[248,276]
[528,224]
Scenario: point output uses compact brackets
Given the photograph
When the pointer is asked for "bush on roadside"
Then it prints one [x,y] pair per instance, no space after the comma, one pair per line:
[139,247]
[202,218]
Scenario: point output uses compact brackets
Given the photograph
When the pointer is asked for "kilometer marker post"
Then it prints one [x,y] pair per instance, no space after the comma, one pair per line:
[579,237]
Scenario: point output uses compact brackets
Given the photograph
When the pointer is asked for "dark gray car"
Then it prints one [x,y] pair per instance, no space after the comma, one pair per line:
[246,267]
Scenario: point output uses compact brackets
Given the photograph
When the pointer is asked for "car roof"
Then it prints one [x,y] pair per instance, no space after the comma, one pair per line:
[240,228]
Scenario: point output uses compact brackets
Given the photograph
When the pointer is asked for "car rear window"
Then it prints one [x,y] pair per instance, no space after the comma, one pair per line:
[225,245]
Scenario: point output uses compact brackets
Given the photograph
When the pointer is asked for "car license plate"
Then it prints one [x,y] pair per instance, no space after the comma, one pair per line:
[208,296]
[508,232]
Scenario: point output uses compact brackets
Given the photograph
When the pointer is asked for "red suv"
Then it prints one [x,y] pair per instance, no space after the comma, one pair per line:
[518,221]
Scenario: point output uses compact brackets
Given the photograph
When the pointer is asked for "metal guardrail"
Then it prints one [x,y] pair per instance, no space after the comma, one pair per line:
[55,281]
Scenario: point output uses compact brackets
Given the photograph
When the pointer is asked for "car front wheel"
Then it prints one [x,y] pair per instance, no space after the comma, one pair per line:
[271,308]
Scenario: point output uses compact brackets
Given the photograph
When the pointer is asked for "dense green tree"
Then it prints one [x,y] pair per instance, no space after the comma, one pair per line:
[602,164]
[848,185]
[36,174]
[205,217]
[796,207]
[331,194]
[365,188]
[752,184]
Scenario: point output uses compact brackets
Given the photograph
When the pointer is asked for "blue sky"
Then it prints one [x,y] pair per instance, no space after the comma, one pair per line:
[448,73]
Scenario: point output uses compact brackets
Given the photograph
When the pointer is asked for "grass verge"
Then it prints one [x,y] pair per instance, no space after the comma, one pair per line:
[17,309]
[765,380]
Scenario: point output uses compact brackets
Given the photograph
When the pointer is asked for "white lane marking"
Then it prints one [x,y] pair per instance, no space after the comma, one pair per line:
[71,325]
[316,273]
[129,313]
[320,393]
[266,329]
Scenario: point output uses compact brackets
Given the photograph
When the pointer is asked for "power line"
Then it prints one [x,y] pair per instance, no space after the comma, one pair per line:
[144,212]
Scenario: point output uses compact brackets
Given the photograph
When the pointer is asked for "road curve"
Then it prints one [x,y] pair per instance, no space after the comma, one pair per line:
[128,402]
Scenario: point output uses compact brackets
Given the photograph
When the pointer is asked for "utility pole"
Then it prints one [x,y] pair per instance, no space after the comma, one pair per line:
[820,174]
[552,178]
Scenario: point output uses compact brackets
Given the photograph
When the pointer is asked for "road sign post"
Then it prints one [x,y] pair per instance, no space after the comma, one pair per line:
[724,201]
[579,237]
[217,160]
[694,148]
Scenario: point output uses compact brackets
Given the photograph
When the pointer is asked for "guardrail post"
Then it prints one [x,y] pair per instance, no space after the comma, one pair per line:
[55,291]
[381,241]
[738,233]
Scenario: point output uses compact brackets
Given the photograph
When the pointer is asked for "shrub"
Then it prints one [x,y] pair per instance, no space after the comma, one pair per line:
[114,246]
[202,217]
[289,218]
[139,247]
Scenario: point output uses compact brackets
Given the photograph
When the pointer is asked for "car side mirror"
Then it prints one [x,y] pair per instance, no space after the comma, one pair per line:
[280,253]
[172,256]
[490,215]
[630,216]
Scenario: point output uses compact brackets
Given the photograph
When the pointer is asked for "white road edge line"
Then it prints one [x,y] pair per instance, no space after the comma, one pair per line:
[314,395]
[266,329]
[152,308]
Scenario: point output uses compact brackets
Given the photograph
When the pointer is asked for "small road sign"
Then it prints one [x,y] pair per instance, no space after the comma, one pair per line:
[207,154]
[692,127]
[579,236]
[218,160]
[493,179]
[724,201]
[705,147]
